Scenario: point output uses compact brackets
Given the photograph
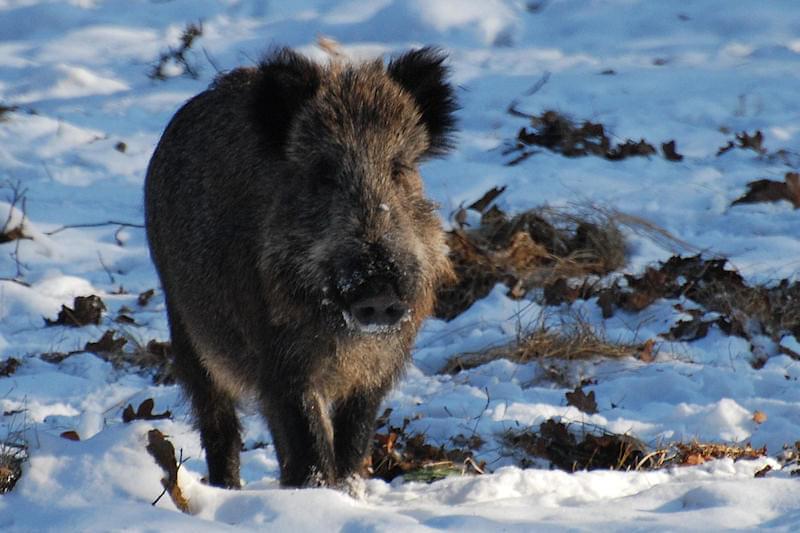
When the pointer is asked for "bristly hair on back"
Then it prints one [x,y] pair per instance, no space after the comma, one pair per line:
[423,74]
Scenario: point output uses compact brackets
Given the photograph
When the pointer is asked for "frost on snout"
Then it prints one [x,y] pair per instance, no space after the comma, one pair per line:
[373,299]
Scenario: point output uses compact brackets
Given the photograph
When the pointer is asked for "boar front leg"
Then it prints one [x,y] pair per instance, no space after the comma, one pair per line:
[353,429]
[303,435]
[214,411]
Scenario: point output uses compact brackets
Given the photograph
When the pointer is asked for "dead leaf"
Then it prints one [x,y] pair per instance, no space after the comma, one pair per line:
[694,459]
[584,402]
[689,330]
[745,141]
[762,472]
[163,452]
[71,435]
[144,297]
[106,344]
[792,180]
[670,151]
[85,310]
[486,200]
[124,319]
[144,412]
[9,366]
[764,190]
[646,354]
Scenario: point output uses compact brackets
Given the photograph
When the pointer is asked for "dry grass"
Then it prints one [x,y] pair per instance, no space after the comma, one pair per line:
[575,340]
[13,453]
[573,447]
[530,250]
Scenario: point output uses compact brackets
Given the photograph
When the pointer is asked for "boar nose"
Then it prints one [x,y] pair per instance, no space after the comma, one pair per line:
[384,309]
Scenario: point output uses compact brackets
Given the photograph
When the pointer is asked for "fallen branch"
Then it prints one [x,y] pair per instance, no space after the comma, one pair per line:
[94,225]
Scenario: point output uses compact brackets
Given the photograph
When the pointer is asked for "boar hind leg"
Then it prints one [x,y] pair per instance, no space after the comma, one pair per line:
[354,426]
[303,435]
[214,410]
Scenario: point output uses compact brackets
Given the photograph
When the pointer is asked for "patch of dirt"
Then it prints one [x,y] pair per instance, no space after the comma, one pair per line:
[525,251]
[558,133]
[398,453]
[85,310]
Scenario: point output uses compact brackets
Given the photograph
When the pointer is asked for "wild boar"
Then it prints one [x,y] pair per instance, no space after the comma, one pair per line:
[297,251]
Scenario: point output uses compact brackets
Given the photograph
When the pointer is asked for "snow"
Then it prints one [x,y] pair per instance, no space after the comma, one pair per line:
[694,72]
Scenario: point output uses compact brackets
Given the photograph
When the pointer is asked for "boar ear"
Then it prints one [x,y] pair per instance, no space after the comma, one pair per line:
[286,81]
[422,73]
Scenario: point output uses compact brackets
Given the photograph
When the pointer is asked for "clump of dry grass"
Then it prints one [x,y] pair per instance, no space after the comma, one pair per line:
[572,447]
[13,453]
[575,340]
[565,450]
[530,250]
[125,350]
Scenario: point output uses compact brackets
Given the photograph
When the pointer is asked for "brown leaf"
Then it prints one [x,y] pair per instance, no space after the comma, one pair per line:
[106,344]
[759,417]
[485,201]
[163,452]
[144,412]
[792,180]
[124,319]
[762,472]
[85,310]
[670,152]
[689,330]
[71,435]
[607,300]
[764,190]
[581,400]
[9,366]
[144,297]
[646,354]
[694,459]
[746,141]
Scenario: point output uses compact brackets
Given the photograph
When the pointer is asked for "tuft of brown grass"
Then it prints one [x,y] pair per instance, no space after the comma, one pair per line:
[13,453]
[530,250]
[572,447]
[396,452]
[557,443]
[576,340]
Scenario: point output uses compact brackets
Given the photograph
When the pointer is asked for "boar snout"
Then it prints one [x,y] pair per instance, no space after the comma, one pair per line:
[379,309]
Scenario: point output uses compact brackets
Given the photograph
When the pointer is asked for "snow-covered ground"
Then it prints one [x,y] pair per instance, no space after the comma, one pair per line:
[695,72]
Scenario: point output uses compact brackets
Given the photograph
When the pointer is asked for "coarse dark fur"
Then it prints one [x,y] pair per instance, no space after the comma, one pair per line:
[283,205]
